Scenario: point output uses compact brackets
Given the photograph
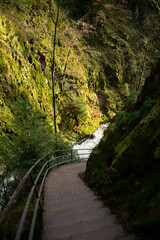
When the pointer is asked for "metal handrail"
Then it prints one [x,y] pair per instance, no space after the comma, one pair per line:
[33,189]
[18,190]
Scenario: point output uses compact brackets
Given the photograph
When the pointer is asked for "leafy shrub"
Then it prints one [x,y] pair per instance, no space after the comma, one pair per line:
[147,105]
[29,137]
[74,112]
[133,117]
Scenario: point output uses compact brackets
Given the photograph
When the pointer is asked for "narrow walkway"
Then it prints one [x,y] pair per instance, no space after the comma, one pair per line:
[72,212]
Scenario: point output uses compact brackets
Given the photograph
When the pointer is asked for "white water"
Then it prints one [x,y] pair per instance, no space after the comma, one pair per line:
[83,148]
[87,146]
[3,188]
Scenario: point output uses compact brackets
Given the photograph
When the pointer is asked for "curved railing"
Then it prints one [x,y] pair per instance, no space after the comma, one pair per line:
[49,161]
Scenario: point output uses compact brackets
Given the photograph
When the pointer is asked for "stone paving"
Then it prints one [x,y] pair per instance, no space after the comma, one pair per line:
[73,212]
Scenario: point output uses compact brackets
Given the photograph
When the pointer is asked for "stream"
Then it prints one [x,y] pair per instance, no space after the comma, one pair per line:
[83,147]
[86,146]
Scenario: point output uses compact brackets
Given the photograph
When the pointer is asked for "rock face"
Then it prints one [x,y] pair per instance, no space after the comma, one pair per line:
[72,211]
[100,52]
[125,168]
[151,85]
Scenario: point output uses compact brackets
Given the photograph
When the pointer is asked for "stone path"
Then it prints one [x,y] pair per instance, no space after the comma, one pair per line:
[73,212]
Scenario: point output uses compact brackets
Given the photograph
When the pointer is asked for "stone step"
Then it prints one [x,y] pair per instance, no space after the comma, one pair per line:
[113,232]
[71,196]
[77,203]
[77,218]
[68,192]
[132,237]
[83,227]
[74,210]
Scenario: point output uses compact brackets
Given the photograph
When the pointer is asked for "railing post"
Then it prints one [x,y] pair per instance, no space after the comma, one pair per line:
[35,191]
[48,157]
[71,155]
[47,161]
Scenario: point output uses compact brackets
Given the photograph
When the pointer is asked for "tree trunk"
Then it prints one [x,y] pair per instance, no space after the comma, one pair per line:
[53,68]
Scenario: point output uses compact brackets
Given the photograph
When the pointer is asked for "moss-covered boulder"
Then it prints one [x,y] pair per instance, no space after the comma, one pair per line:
[124,168]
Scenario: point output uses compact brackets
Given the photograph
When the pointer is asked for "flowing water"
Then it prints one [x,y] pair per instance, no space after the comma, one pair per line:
[86,147]
[84,150]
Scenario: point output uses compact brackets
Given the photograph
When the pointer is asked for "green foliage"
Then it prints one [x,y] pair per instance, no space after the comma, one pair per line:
[140,8]
[132,96]
[133,117]
[29,138]
[127,89]
[109,43]
[131,100]
[103,41]
[75,112]
[117,117]
[146,106]
[22,5]
[127,162]
[3,65]
[76,9]
[156,3]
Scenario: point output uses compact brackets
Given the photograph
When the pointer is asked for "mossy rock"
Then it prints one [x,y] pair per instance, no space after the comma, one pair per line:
[3,65]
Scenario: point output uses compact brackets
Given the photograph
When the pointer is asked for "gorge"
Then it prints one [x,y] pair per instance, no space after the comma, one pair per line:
[106,70]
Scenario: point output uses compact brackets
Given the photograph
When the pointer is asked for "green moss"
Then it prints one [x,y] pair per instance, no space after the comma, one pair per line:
[3,64]
[95,60]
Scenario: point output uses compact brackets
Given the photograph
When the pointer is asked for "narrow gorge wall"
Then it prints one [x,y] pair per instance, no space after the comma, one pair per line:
[100,58]
[124,168]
